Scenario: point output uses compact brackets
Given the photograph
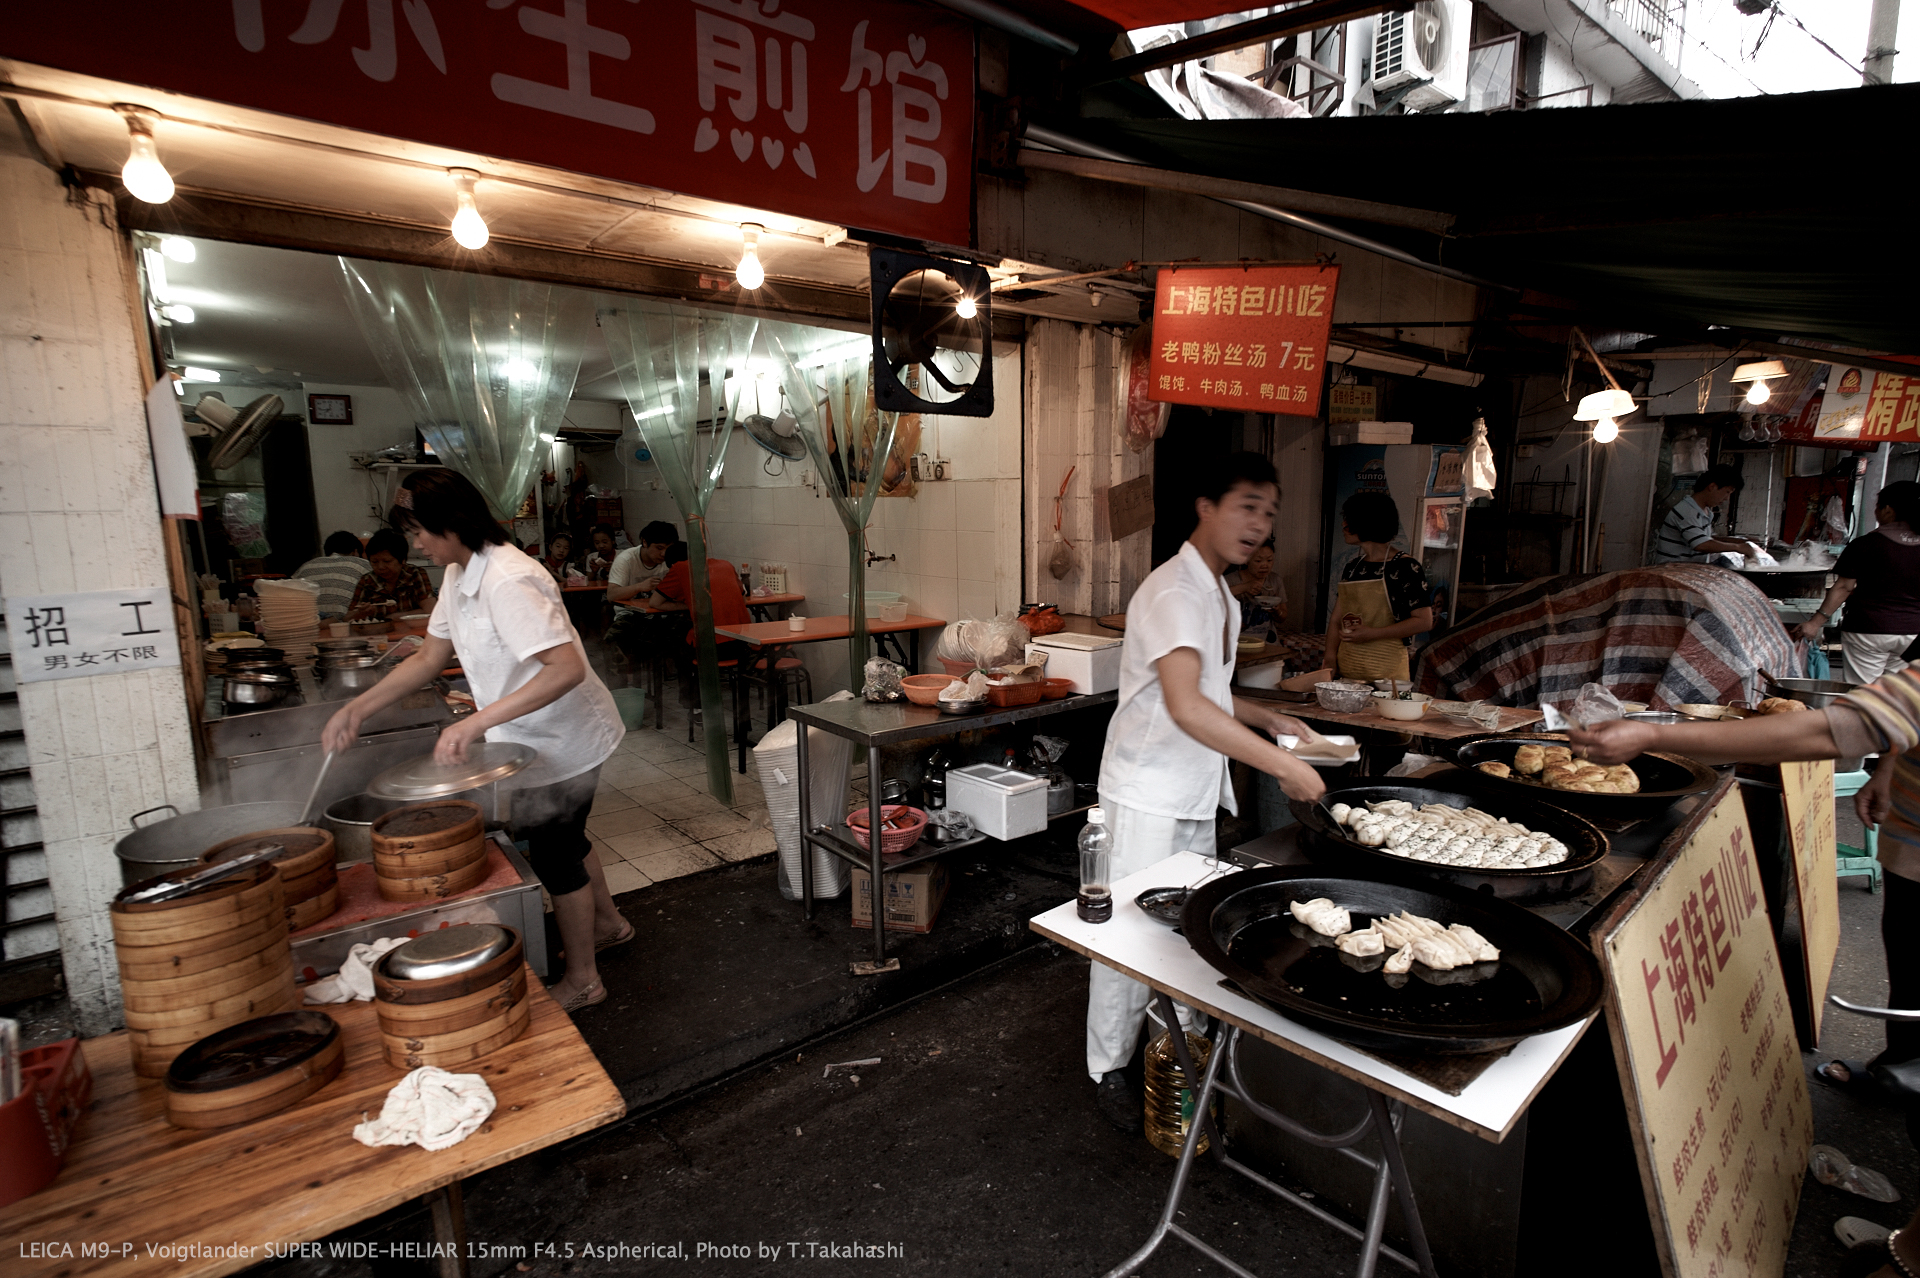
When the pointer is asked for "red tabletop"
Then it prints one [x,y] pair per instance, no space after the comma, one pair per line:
[768,634]
[592,585]
[753,601]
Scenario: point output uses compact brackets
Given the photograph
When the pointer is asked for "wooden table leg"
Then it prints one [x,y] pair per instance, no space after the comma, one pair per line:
[449,1231]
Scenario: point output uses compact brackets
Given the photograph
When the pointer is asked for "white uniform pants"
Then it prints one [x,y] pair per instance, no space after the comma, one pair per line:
[1116,1004]
[1869,658]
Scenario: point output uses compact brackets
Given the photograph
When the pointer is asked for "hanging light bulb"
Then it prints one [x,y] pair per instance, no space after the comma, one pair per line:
[1758,392]
[749,273]
[966,308]
[146,178]
[179,249]
[469,228]
[1606,430]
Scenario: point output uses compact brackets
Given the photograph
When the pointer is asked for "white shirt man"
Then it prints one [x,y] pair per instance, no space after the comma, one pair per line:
[1177,723]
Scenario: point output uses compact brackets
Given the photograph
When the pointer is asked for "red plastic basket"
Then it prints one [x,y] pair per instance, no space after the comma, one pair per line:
[36,1126]
[893,838]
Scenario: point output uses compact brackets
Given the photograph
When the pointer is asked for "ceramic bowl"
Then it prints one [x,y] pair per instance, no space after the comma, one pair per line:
[1407,709]
[1343,697]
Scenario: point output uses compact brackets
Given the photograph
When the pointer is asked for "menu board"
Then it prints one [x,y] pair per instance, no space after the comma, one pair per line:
[1708,1059]
[1248,338]
[1807,789]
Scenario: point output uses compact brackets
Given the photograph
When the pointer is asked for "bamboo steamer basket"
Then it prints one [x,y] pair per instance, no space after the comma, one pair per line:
[200,963]
[425,851]
[307,871]
[454,1019]
[253,1069]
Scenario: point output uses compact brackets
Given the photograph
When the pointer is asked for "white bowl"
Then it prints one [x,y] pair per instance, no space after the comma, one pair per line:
[1388,706]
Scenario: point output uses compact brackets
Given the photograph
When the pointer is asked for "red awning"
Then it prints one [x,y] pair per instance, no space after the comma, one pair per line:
[1134,14]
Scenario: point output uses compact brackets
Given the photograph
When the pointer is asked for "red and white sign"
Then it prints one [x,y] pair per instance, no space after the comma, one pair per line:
[857,114]
[1246,338]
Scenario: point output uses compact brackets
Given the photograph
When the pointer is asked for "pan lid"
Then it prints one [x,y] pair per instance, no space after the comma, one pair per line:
[448,951]
[422,778]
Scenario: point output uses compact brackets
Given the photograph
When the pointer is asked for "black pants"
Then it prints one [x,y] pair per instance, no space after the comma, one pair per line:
[1900,935]
[553,821]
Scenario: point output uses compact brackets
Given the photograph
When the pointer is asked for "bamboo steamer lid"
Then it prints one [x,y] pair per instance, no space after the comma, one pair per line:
[423,827]
[253,1069]
[306,868]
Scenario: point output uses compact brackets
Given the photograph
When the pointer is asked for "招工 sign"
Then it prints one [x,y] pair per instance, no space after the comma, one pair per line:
[859,114]
[95,633]
[1247,338]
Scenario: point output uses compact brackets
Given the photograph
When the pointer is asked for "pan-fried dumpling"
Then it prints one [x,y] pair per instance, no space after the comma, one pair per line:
[1362,944]
[1529,759]
[1322,915]
[1493,769]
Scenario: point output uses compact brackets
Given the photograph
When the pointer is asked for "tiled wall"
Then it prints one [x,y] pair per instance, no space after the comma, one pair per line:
[78,512]
[957,544]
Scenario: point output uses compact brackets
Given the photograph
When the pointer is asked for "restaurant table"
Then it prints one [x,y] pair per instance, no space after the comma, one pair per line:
[1157,956]
[134,1181]
[763,606]
[894,723]
[776,635]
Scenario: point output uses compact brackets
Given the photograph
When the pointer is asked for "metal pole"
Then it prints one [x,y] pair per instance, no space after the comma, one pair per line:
[1881,24]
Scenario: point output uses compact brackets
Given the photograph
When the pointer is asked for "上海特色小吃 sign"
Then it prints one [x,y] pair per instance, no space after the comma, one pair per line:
[1247,338]
[95,633]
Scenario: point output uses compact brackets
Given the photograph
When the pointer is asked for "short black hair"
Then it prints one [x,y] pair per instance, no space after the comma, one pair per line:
[597,529]
[1238,468]
[676,554]
[562,535]
[342,543]
[1372,516]
[1722,475]
[659,533]
[442,501]
[387,542]
[1904,496]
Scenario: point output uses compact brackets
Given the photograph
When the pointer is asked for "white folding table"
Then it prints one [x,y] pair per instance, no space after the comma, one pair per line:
[1152,953]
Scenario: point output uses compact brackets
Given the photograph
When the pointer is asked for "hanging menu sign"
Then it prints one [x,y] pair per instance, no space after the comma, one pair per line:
[1807,790]
[1247,338]
[1708,1059]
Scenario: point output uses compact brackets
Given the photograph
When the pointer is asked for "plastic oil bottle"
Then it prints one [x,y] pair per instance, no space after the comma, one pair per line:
[1096,869]
[1170,1109]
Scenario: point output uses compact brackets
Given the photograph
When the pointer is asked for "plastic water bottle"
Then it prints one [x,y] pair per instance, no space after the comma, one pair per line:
[1096,868]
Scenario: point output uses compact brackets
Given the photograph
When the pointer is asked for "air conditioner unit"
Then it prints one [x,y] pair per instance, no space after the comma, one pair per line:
[1430,43]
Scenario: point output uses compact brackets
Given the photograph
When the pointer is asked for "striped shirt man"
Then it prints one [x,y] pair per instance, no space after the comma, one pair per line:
[1687,525]
[337,576]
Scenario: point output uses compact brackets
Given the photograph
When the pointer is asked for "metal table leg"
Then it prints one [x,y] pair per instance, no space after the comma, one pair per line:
[1390,1171]
[875,881]
[449,1230]
[806,822]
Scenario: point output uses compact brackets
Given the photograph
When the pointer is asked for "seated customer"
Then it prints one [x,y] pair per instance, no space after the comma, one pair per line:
[675,592]
[394,585]
[637,569]
[336,572]
[600,558]
[559,551]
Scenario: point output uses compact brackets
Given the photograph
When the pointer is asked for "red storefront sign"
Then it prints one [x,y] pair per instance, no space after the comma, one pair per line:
[1893,409]
[858,114]
[1247,338]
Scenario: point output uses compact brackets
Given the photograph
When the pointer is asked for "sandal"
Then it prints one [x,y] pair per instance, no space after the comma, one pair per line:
[594,993]
[1853,1077]
[1831,1167]
[618,938]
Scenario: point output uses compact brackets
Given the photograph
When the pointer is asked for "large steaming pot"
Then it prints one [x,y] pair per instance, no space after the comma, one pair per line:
[177,841]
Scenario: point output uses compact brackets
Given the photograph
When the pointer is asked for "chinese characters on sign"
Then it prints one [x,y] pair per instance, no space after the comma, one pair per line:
[1710,1065]
[860,114]
[1253,339]
[101,632]
[1807,791]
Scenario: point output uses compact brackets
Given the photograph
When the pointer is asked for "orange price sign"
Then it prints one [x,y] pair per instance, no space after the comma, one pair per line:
[1247,338]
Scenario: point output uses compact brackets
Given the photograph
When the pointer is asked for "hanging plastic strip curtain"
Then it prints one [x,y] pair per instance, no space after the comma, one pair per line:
[825,383]
[486,364]
[684,371]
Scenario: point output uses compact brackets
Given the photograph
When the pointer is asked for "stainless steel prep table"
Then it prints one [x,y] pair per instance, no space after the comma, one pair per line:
[894,723]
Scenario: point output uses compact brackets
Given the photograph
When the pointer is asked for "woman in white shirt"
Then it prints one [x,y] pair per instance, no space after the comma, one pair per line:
[501,613]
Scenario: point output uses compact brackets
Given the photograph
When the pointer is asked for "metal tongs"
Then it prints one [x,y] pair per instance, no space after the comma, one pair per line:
[203,877]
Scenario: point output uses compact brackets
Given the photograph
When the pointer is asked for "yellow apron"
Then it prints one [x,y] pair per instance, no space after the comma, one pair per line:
[1376,658]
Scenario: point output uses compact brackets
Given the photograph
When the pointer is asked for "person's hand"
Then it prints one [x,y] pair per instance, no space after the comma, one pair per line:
[1809,629]
[1614,741]
[342,730]
[1357,633]
[1299,781]
[455,738]
[1285,725]
[1873,802]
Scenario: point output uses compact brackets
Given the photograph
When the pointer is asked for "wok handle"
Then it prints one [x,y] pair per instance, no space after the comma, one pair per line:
[134,820]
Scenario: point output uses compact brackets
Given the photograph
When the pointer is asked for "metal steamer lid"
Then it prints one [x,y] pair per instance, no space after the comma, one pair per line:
[422,778]
[448,951]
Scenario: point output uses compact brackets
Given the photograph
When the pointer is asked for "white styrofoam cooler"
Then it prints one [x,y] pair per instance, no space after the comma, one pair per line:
[1091,661]
[1002,803]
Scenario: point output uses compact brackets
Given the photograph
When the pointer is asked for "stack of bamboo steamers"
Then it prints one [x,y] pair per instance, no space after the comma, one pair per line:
[426,851]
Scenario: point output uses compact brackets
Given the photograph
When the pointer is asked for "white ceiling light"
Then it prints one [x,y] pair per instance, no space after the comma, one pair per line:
[749,272]
[966,308]
[661,411]
[469,228]
[193,374]
[146,178]
[179,249]
[1758,373]
[1613,403]
[179,313]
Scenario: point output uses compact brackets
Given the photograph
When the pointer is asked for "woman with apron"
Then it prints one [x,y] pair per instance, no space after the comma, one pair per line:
[1383,599]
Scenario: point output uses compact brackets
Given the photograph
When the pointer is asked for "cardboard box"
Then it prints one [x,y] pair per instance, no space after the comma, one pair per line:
[914,896]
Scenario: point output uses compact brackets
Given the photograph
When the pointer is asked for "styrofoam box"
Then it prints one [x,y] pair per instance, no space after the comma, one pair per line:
[1091,661]
[1002,803]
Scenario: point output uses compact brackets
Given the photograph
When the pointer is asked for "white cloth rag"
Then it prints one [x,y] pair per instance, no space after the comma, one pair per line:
[429,1108]
[354,980]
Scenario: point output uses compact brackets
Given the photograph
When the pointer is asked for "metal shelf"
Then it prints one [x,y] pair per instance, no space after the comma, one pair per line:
[898,723]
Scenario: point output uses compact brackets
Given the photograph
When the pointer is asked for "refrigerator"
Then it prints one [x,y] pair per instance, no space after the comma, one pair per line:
[1427,483]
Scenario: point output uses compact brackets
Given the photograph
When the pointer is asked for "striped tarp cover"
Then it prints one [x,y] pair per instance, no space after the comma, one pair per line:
[1667,635]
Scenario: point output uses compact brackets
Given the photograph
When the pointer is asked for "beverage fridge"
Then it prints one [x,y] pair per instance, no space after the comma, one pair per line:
[1427,483]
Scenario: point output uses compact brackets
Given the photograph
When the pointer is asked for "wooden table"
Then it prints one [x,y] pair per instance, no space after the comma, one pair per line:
[775,635]
[132,1179]
[1431,726]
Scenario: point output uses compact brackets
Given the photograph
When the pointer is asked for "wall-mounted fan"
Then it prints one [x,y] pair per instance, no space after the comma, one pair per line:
[241,430]
[932,335]
[778,435]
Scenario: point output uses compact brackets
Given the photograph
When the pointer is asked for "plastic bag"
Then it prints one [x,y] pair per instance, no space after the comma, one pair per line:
[1594,704]
[883,680]
[1480,474]
[1410,764]
[1049,749]
[998,641]
[1146,418]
